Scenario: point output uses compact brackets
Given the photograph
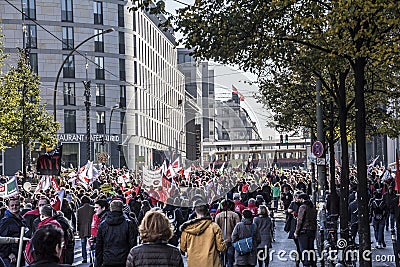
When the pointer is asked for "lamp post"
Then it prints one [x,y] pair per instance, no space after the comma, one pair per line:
[62,65]
[116,106]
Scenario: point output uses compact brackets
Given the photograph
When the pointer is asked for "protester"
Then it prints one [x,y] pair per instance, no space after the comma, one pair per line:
[116,236]
[32,215]
[306,229]
[155,231]
[48,244]
[84,219]
[202,239]
[264,224]
[246,228]
[378,211]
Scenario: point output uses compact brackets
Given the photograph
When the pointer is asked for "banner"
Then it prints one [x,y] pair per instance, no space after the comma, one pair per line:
[50,163]
[9,189]
[153,178]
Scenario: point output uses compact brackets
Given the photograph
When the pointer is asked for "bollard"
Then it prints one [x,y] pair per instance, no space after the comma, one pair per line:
[20,246]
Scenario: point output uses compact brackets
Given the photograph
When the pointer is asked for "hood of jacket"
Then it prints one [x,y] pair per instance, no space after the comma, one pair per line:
[115,218]
[196,226]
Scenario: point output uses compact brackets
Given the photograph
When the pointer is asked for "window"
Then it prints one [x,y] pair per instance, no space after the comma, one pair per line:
[135,74]
[121,20]
[123,129]
[98,12]
[122,96]
[134,20]
[33,62]
[31,36]
[29,9]
[67,38]
[99,68]
[69,94]
[121,37]
[98,41]
[134,47]
[100,95]
[69,121]
[101,122]
[69,67]
[122,73]
[66,10]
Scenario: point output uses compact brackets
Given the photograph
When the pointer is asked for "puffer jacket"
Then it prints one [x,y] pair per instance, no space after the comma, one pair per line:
[115,237]
[202,239]
[10,226]
[307,217]
[155,254]
[243,230]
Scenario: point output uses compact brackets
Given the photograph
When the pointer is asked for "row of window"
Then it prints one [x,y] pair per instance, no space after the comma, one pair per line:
[70,94]
[70,121]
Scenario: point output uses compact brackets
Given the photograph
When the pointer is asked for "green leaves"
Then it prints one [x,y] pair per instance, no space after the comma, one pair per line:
[23,119]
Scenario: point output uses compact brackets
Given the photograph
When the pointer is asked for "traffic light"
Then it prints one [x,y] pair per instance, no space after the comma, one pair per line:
[281,138]
[286,139]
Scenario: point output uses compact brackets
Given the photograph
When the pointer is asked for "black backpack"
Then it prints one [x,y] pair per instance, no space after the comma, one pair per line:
[379,209]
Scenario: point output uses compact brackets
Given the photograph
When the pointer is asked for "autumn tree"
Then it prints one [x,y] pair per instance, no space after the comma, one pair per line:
[23,118]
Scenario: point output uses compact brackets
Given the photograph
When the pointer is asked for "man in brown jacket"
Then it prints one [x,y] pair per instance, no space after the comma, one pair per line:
[84,221]
[306,230]
[226,220]
[202,239]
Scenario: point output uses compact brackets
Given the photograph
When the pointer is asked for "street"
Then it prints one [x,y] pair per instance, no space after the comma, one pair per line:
[281,248]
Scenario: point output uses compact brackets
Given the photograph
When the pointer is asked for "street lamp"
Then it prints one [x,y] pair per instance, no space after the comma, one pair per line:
[65,61]
[116,106]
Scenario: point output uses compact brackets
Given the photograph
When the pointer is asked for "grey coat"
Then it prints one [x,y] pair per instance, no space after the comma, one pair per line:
[243,230]
[264,224]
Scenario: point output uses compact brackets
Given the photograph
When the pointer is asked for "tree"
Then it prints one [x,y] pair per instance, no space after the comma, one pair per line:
[23,119]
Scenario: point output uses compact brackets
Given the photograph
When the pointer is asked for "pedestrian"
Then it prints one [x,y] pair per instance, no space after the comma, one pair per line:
[48,244]
[378,209]
[276,194]
[174,215]
[155,231]
[306,230]
[246,228]
[264,224]
[353,215]
[202,239]
[84,219]
[392,201]
[227,220]
[115,237]
[143,209]
[10,226]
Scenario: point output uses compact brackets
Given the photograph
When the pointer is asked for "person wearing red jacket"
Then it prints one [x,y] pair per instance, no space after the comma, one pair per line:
[239,207]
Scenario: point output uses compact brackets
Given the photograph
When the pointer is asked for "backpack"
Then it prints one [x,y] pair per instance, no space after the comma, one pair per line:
[379,210]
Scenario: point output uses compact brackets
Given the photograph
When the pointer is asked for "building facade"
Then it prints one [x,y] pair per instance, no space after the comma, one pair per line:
[136,89]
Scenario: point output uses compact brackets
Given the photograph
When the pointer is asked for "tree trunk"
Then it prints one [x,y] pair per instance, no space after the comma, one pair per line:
[344,174]
[362,196]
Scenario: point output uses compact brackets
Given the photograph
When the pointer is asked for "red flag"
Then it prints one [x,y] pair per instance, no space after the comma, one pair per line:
[234,90]
[54,184]
[165,182]
[175,164]
[56,201]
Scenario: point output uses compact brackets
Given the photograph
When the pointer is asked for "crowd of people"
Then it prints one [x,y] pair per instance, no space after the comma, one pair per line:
[128,224]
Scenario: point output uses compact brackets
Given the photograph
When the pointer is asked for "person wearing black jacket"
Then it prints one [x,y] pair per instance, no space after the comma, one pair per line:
[175,217]
[115,237]
[10,226]
[391,200]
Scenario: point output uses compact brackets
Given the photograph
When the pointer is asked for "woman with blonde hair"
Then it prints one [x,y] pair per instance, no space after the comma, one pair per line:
[155,231]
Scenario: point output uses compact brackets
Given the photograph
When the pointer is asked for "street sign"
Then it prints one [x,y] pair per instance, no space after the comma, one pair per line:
[317,149]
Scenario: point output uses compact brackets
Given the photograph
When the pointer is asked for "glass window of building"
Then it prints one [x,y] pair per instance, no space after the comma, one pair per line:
[33,62]
[69,94]
[69,121]
[66,10]
[122,96]
[98,41]
[69,67]
[98,12]
[134,47]
[31,36]
[99,68]
[122,72]
[29,9]
[121,19]
[100,95]
[70,155]
[121,38]
[67,38]
[101,122]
